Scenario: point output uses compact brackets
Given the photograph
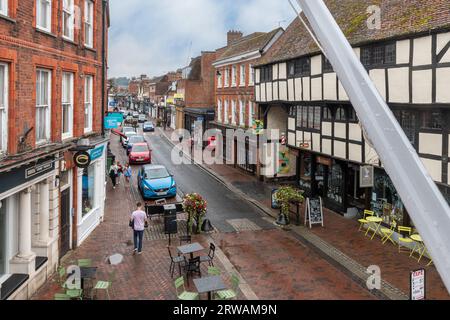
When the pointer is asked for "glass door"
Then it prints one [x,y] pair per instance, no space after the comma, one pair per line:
[3,243]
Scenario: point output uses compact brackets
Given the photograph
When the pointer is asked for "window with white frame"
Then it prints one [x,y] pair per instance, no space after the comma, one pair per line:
[225,112]
[227,77]
[241,113]
[233,112]
[89,23]
[233,76]
[219,79]
[3,107]
[68,19]
[67,105]
[88,86]
[43,105]
[219,110]
[44,15]
[4,7]
[251,80]
[251,114]
[242,75]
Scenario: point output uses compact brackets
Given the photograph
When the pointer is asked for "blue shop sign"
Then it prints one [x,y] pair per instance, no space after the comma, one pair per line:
[111,123]
[97,153]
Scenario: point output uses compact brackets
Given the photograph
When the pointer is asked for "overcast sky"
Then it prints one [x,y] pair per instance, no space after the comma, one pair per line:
[154,36]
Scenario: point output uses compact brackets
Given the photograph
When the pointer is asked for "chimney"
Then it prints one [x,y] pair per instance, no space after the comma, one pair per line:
[233,36]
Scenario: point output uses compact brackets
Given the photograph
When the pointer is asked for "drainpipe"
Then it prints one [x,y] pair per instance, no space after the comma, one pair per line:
[104,3]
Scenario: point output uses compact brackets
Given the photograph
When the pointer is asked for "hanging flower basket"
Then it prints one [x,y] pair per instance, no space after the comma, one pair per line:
[284,196]
[195,206]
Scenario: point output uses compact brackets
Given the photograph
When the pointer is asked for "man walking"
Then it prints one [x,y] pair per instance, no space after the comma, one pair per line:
[138,220]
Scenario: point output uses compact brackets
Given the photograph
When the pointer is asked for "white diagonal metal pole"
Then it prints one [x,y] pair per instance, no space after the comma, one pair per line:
[425,203]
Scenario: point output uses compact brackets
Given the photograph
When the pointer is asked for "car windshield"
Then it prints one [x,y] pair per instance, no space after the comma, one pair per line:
[139,148]
[148,124]
[128,129]
[136,139]
[156,173]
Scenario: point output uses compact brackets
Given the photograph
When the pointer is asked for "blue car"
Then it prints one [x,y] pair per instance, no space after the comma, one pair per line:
[148,127]
[155,182]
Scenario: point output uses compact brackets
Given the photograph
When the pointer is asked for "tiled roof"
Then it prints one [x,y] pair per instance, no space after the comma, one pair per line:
[398,17]
[252,42]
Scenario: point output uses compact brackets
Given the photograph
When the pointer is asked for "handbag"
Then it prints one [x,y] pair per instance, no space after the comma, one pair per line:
[131,223]
[146,224]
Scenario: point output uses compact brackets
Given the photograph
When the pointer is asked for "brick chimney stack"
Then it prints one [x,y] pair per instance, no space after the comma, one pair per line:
[233,36]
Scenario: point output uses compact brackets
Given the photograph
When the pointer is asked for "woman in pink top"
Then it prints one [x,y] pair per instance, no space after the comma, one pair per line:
[138,219]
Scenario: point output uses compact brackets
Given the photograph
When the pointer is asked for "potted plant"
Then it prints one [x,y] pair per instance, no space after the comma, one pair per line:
[284,196]
[195,206]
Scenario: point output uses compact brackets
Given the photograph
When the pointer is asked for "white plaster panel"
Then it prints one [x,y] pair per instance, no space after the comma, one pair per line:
[291,138]
[263,92]
[316,65]
[443,85]
[340,130]
[298,89]
[327,129]
[371,155]
[357,51]
[275,71]
[434,168]
[316,89]
[275,92]
[354,132]
[282,70]
[355,152]
[283,90]
[291,96]
[326,146]
[430,143]
[340,149]
[306,91]
[403,51]
[378,77]
[258,92]
[291,124]
[342,93]
[329,83]
[316,142]
[422,86]
[299,138]
[308,137]
[442,40]
[257,75]
[269,91]
[399,85]
[422,51]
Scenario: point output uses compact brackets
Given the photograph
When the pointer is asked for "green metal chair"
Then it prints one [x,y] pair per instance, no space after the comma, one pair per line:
[61,296]
[230,293]
[84,262]
[75,293]
[105,285]
[184,295]
[213,271]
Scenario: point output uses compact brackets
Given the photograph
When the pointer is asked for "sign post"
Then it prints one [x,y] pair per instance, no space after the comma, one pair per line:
[417,285]
[314,211]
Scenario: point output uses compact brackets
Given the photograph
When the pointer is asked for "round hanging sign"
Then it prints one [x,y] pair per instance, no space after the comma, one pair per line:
[82,159]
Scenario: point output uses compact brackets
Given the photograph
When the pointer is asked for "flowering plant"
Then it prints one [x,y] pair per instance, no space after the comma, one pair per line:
[284,196]
[195,206]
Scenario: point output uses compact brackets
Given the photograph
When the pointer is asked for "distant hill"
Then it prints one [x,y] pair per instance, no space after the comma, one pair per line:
[121,81]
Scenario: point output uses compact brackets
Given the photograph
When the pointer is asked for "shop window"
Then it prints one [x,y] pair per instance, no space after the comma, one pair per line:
[385,200]
[305,171]
[327,114]
[407,120]
[308,117]
[88,192]
[326,65]
[432,120]
[336,183]
[379,55]
[340,114]
[299,67]
[266,74]
[292,112]
[352,117]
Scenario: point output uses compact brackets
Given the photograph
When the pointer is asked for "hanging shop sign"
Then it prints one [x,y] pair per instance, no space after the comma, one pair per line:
[97,153]
[366,177]
[324,161]
[417,285]
[314,211]
[82,159]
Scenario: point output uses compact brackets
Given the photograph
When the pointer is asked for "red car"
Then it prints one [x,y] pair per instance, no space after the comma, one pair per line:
[140,153]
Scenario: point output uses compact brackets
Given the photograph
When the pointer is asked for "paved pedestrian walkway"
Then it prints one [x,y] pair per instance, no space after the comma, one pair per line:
[339,240]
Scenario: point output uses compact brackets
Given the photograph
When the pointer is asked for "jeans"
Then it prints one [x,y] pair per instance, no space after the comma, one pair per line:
[137,235]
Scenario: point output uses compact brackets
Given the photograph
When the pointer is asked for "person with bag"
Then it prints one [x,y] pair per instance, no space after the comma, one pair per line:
[119,172]
[138,222]
[128,173]
[113,174]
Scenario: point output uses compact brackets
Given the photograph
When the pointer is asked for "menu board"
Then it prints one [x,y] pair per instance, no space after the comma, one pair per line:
[314,211]
[418,285]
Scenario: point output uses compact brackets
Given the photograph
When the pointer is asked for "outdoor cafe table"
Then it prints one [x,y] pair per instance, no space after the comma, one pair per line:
[418,247]
[190,248]
[209,284]
[376,224]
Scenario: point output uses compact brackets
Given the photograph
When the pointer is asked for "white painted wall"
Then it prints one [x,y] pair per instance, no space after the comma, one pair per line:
[306,85]
[316,65]
[291,139]
[275,96]
[269,91]
[298,89]
[355,133]
[399,85]
[422,86]
[263,92]
[403,51]
[430,143]
[316,89]
[329,83]
[378,76]
[316,142]
[434,168]
[283,69]
[326,146]
[355,152]
[443,85]
[342,93]
[340,130]
[422,51]
[340,149]
[291,124]
[291,96]
[283,90]
[442,40]
[275,71]
[327,129]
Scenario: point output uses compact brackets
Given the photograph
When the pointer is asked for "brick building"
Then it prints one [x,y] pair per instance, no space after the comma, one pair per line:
[52,92]
[234,86]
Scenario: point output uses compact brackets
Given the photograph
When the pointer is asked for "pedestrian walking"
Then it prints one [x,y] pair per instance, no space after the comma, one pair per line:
[127,172]
[119,172]
[138,222]
[113,174]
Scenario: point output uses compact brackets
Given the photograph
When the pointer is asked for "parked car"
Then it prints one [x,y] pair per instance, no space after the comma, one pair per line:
[125,140]
[141,118]
[136,115]
[140,153]
[148,127]
[134,139]
[155,182]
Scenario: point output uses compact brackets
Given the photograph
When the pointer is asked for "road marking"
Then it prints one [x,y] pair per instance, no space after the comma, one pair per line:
[243,225]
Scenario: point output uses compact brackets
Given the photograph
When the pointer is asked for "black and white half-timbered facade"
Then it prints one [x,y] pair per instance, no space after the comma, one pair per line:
[409,62]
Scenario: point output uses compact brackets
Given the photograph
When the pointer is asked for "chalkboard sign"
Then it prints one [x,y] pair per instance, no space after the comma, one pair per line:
[314,211]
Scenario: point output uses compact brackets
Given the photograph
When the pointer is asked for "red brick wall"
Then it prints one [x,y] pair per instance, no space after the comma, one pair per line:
[35,49]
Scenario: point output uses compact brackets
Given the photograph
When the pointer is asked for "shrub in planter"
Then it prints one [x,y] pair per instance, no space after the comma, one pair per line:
[195,206]
[284,196]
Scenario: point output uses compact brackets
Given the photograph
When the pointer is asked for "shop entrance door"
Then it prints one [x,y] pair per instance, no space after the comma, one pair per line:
[321,180]
[65,222]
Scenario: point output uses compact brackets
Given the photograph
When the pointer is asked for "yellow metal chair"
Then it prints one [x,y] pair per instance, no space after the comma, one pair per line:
[364,221]
[404,240]
[388,233]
